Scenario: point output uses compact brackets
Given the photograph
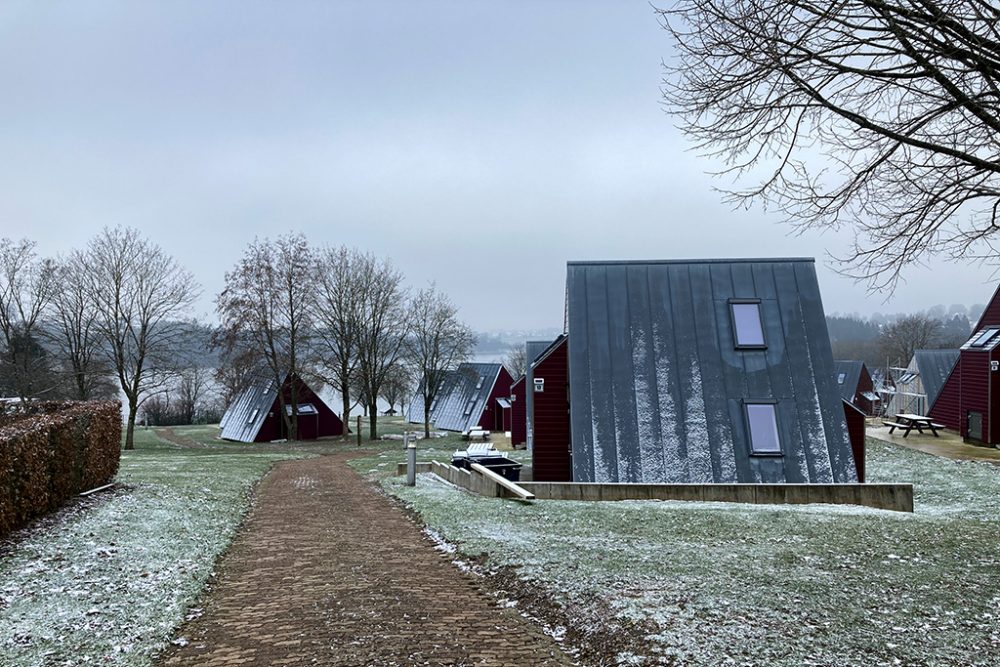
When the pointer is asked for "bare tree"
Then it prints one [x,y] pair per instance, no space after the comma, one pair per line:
[883,114]
[75,332]
[906,335]
[338,309]
[191,390]
[238,366]
[397,386]
[264,308]
[141,295]
[437,342]
[516,360]
[26,285]
[381,330]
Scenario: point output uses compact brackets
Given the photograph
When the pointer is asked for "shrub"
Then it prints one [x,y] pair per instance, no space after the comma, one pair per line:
[50,451]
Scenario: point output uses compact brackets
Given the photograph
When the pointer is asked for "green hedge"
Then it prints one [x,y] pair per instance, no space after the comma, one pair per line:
[51,451]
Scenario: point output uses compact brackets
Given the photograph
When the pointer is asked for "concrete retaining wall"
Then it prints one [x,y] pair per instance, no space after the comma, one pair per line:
[421,467]
[896,497]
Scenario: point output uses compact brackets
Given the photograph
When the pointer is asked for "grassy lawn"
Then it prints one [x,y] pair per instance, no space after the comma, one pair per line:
[713,583]
[105,581]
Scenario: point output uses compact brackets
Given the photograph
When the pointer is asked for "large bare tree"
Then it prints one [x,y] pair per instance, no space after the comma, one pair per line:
[26,287]
[142,296]
[264,309]
[338,310]
[437,342]
[880,114]
[75,333]
[382,329]
[899,340]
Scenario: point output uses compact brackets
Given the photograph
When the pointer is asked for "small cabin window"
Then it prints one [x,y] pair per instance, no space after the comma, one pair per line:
[747,327]
[762,426]
[539,385]
[983,339]
[841,377]
[253,416]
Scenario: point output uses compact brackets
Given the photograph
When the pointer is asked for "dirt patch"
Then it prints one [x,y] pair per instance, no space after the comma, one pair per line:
[328,571]
[167,434]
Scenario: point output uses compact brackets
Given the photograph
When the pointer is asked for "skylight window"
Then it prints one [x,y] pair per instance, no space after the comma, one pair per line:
[748,330]
[253,416]
[841,377]
[468,408]
[762,425]
[479,385]
[984,338]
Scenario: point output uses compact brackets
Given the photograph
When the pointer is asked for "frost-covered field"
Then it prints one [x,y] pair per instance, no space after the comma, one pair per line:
[711,584]
[106,581]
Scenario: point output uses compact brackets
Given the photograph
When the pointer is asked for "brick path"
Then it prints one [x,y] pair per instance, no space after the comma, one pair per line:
[328,572]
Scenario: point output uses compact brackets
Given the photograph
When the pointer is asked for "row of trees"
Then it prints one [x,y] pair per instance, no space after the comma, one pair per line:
[894,342]
[114,317]
[339,315]
[107,318]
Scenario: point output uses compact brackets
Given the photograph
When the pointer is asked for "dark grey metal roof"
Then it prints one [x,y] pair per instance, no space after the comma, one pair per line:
[461,399]
[935,366]
[249,409]
[658,388]
[532,350]
[852,376]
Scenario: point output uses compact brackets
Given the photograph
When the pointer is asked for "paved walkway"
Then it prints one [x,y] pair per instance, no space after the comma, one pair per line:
[328,572]
[948,444]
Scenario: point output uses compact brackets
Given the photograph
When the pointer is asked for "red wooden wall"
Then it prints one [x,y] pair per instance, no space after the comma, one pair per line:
[518,417]
[551,457]
[311,427]
[947,409]
[492,417]
[856,433]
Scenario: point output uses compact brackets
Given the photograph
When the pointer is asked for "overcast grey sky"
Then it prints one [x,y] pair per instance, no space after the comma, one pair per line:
[480,145]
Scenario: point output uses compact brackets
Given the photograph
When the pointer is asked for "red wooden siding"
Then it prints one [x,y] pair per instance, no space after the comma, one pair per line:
[492,417]
[991,316]
[324,424]
[551,459]
[866,405]
[975,396]
[947,409]
[856,432]
[518,418]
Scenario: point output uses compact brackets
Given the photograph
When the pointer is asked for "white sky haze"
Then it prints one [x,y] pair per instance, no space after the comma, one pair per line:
[480,145]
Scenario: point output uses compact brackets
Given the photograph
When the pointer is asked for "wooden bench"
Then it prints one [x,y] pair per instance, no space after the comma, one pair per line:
[894,425]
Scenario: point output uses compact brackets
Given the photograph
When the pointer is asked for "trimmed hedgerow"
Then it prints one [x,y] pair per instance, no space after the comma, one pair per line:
[50,451]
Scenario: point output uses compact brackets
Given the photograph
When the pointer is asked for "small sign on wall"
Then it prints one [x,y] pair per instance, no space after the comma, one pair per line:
[539,385]
[995,365]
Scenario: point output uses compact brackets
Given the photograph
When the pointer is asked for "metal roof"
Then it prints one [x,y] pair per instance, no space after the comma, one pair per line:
[460,401]
[246,414]
[852,376]
[935,366]
[532,350]
[658,387]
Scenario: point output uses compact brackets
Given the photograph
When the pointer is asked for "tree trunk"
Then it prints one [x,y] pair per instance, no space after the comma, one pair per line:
[345,395]
[372,422]
[427,421]
[130,427]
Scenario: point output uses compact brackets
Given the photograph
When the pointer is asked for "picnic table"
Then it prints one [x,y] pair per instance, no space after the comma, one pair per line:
[907,422]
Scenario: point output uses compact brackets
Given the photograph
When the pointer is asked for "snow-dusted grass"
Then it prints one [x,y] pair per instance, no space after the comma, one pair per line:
[713,583]
[106,581]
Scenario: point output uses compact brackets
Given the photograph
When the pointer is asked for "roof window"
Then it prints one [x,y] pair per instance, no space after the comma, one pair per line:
[762,426]
[983,338]
[253,415]
[841,377]
[749,332]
